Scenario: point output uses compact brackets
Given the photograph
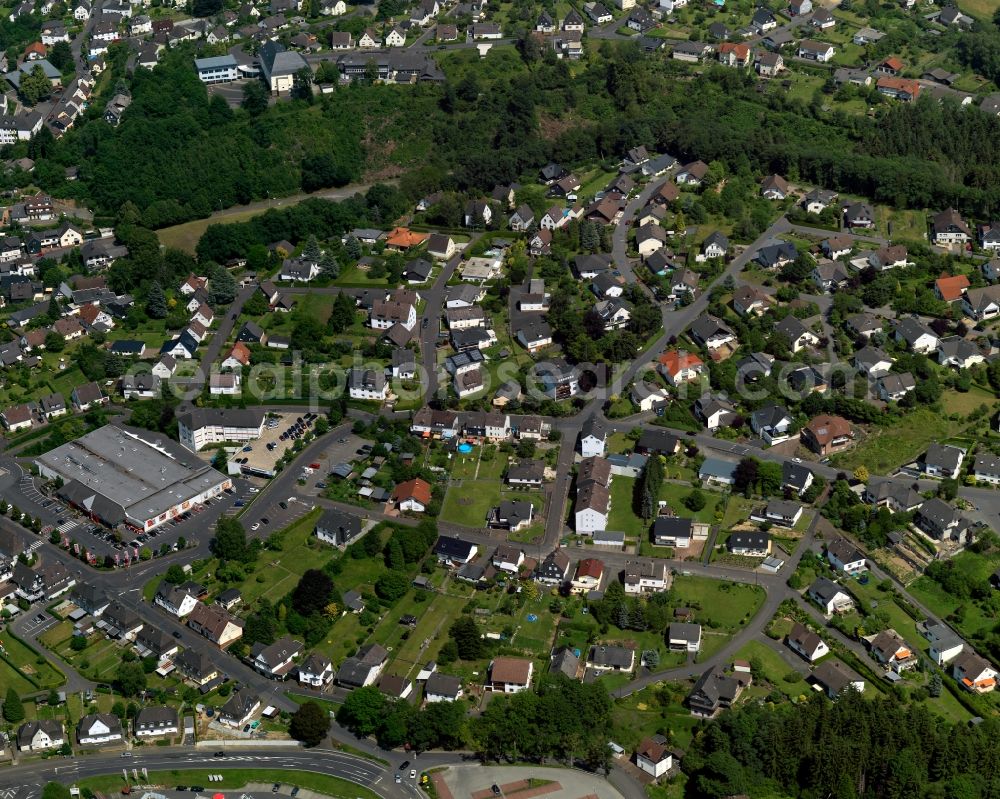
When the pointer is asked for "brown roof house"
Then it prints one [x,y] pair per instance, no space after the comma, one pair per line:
[510,675]
[827,434]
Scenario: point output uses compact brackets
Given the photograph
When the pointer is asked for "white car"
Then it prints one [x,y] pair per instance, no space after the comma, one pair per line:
[255,526]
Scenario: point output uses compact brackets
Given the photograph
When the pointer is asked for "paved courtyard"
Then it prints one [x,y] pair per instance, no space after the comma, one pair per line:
[475,782]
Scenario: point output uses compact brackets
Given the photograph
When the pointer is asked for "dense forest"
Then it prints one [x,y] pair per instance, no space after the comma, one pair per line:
[856,747]
[180,155]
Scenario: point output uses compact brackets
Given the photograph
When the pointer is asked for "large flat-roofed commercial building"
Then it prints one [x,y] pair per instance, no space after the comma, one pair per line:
[201,427]
[218,69]
[125,476]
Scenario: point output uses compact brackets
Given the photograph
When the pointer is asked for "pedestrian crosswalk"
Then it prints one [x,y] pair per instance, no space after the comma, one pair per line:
[66,526]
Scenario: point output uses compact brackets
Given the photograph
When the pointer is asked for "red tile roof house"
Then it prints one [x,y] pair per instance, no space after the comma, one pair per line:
[950,287]
[413,495]
[680,367]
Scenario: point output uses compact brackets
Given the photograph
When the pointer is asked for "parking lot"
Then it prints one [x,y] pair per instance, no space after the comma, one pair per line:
[38,623]
[100,542]
[260,457]
[274,517]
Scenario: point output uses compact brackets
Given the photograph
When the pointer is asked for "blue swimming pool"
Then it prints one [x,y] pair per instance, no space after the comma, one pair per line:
[464,448]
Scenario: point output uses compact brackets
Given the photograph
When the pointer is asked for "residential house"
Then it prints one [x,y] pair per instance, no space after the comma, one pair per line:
[717,471]
[798,335]
[96,729]
[775,187]
[859,215]
[364,667]
[510,675]
[413,495]
[942,522]
[751,301]
[593,438]
[714,691]
[153,722]
[896,496]
[714,410]
[949,228]
[453,551]
[830,596]
[315,671]
[826,434]
[734,54]
[958,352]
[834,678]
[276,660]
[950,288]
[684,637]
[772,423]
[680,367]
[893,387]
[338,528]
[239,708]
[645,577]
[986,468]
[692,174]
[806,643]
[795,477]
[816,51]
[890,650]
[554,570]
[602,658]
[872,361]
[982,303]
[943,460]
[673,531]
[901,89]
[589,573]
[974,673]
[654,757]
[41,735]
[749,544]
[442,688]
[215,623]
[916,337]
[511,515]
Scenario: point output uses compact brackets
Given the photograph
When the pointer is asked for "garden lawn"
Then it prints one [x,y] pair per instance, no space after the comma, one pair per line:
[433,623]
[974,622]
[718,604]
[281,570]
[674,494]
[965,403]
[31,664]
[775,669]
[622,518]
[886,448]
[469,504]
[898,619]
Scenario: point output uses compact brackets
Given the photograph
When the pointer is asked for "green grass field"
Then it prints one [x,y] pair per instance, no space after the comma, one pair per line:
[624,519]
[886,448]
[718,604]
[674,495]
[30,664]
[469,504]
[775,670]
[238,778]
[185,237]
[975,621]
[966,402]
